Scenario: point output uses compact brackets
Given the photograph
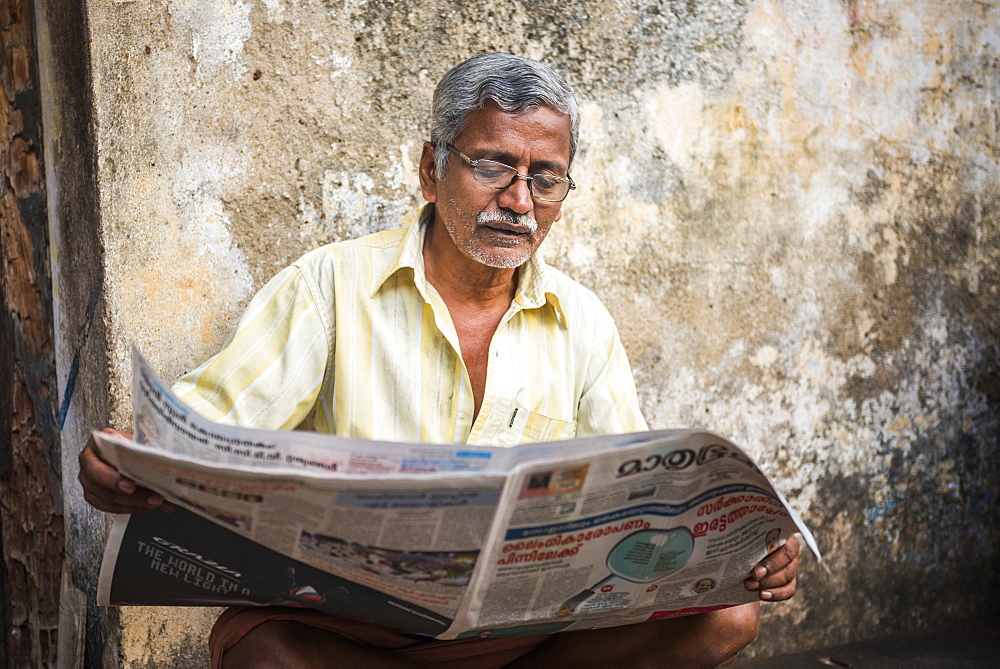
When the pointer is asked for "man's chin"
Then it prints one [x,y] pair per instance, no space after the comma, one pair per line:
[501,258]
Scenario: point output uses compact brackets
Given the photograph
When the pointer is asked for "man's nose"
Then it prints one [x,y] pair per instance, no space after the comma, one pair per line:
[517,196]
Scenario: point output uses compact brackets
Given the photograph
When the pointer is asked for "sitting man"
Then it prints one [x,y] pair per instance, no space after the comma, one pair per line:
[448,331]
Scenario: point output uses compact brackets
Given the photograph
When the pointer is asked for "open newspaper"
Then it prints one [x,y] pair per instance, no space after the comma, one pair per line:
[444,540]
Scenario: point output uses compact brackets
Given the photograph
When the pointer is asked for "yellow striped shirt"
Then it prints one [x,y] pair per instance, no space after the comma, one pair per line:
[352,340]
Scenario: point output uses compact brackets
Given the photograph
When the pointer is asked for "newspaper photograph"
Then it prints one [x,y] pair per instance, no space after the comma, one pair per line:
[442,540]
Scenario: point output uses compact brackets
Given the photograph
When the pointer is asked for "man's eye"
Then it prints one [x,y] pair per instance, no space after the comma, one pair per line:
[488,172]
[545,182]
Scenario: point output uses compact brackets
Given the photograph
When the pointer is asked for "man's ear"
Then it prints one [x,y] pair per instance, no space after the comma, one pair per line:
[558,216]
[428,173]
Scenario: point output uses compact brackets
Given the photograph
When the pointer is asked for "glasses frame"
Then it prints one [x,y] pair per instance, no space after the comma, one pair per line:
[527,177]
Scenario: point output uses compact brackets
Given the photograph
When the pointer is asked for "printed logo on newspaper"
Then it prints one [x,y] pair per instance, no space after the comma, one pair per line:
[682,458]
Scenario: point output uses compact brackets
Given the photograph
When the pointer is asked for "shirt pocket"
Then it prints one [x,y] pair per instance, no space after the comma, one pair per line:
[533,426]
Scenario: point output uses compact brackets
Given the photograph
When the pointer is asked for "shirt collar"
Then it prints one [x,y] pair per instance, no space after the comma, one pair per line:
[535,286]
[408,255]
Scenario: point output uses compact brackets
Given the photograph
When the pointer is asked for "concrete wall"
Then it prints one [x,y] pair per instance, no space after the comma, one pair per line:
[790,207]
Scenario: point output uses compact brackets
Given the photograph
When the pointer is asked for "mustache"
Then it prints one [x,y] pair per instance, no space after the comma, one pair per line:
[507,216]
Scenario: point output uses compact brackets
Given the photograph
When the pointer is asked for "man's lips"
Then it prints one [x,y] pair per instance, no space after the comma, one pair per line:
[507,228]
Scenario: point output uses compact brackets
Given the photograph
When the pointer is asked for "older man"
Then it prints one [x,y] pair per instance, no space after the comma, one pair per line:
[448,331]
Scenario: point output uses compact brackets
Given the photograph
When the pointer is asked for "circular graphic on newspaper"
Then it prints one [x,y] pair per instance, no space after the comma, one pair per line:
[651,554]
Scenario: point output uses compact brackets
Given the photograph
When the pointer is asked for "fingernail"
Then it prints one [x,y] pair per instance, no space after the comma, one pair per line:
[154,500]
[759,572]
[751,584]
[126,486]
[766,595]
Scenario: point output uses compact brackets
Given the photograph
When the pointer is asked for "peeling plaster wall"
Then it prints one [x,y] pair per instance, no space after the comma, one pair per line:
[790,207]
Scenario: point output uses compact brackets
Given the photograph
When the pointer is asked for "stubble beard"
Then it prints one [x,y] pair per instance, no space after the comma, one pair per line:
[493,257]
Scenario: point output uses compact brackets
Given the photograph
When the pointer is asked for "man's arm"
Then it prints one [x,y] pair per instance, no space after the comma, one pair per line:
[267,376]
[609,403]
[269,373]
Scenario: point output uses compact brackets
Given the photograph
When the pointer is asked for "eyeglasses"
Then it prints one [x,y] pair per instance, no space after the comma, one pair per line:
[545,187]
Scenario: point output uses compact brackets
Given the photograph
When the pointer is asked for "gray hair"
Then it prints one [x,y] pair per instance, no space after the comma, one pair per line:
[514,83]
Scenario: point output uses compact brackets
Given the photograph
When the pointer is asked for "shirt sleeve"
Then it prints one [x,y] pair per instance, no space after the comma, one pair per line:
[609,404]
[269,373]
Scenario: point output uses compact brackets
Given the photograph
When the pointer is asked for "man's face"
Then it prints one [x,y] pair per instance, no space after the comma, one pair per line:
[500,228]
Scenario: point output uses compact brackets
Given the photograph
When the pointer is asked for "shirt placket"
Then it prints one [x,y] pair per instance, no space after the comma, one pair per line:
[446,327]
[486,423]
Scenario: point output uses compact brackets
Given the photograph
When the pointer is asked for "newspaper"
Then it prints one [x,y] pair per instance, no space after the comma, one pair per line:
[442,540]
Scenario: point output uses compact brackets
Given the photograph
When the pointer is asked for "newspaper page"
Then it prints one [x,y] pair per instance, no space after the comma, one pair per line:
[668,528]
[414,538]
[439,540]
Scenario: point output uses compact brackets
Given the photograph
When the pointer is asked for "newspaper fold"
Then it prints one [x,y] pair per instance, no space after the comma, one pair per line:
[443,540]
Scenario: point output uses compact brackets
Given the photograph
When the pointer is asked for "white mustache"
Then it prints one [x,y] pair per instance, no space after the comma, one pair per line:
[487,217]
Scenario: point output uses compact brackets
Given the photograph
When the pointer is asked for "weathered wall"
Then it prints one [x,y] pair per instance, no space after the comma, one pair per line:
[790,207]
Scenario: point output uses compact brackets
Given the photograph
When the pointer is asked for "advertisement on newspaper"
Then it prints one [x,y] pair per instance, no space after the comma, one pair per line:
[440,540]
[173,557]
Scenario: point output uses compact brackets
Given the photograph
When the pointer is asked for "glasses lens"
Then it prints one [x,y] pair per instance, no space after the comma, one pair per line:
[495,175]
[547,187]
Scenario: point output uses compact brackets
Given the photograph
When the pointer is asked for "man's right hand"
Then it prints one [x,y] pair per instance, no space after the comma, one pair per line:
[106,489]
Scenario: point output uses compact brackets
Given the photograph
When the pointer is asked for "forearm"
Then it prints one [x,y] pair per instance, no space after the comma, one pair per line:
[703,640]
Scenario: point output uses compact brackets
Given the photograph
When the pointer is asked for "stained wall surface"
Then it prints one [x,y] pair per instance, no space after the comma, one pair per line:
[789,207]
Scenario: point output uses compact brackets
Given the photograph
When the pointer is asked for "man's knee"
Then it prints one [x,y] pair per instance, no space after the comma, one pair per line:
[741,626]
[284,643]
[270,644]
[704,640]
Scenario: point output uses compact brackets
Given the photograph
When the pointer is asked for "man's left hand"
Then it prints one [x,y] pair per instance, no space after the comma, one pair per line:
[773,579]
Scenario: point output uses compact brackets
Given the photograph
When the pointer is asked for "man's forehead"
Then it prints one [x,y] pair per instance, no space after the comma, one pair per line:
[543,127]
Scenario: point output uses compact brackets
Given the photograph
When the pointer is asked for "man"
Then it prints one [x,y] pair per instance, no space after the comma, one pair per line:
[449,331]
